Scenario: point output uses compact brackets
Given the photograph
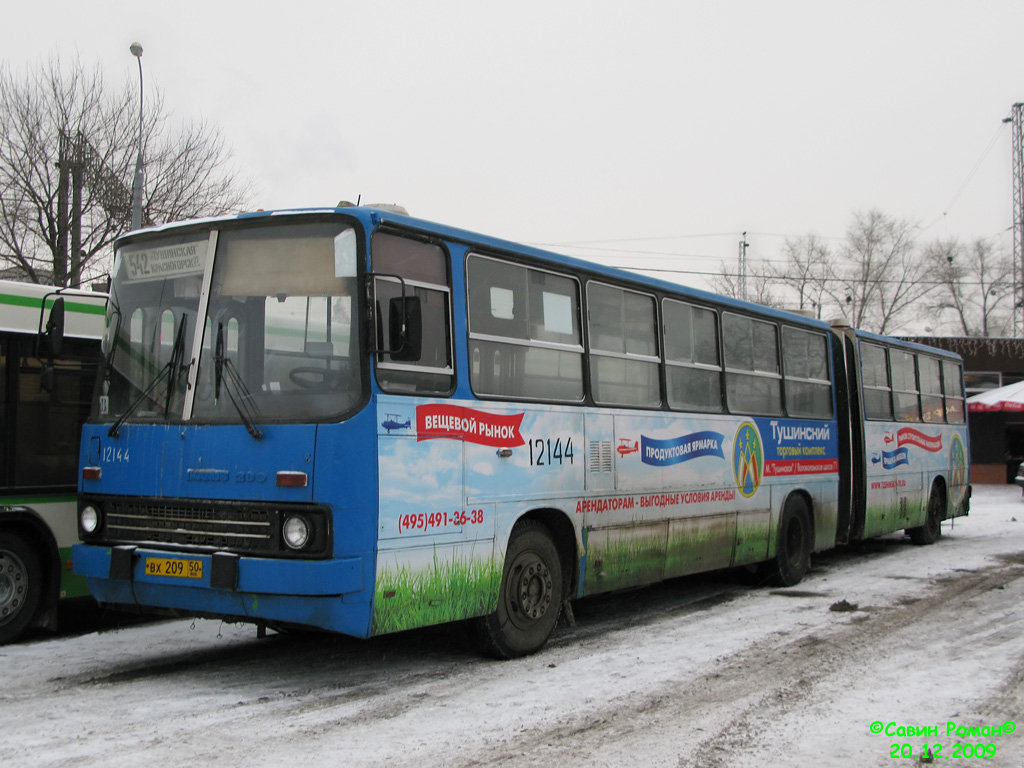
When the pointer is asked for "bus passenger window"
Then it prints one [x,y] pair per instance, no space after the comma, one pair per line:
[752,380]
[526,322]
[904,386]
[931,389]
[874,373]
[623,347]
[953,389]
[693,370]
[805,363]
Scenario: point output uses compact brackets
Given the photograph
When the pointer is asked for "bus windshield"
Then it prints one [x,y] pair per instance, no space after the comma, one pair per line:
[277,338]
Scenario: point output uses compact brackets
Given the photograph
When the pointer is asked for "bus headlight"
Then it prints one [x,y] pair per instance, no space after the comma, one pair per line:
[296,531]
[89,518]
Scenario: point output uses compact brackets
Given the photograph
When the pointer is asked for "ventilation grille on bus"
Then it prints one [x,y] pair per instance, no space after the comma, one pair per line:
[601,455]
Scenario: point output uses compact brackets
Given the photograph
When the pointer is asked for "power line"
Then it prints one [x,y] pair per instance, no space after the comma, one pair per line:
[967,179]
[571,243]
[847,281]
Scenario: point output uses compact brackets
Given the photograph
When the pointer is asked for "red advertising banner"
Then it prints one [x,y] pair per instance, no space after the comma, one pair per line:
[910,436]
[456,422]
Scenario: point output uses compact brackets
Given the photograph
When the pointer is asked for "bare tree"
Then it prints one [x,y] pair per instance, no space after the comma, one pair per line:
[757,287]
[877,278]
[805,272]
[975,285]
[67,156]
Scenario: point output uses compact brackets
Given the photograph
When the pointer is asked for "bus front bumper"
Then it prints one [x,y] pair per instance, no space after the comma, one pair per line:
[328,594]
[220,571]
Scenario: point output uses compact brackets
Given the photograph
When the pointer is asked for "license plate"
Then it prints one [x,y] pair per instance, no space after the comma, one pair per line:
[174,567]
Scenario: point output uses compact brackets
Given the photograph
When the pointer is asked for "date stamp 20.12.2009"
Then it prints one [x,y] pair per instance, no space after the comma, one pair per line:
[951,740]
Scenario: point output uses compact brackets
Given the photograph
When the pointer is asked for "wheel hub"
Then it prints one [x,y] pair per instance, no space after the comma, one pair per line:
[12,585]
[533,591]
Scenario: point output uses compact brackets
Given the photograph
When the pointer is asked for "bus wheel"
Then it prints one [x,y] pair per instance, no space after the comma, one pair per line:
[793,547]
[932,528]
[20,585]
[530,596]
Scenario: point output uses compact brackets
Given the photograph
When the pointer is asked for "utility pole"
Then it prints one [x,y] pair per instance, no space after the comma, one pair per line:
[140,176]
[63,184]
[1017,118]
[74,262]
[742,283]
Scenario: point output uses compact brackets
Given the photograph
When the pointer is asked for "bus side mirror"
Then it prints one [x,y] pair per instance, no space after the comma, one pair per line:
[405,328]
[55,328]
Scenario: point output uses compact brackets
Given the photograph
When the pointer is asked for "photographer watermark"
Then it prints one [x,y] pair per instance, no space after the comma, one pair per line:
[958,741]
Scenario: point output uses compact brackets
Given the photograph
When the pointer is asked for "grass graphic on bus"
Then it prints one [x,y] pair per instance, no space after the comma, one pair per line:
[447,590]
[625,556]
[957,469]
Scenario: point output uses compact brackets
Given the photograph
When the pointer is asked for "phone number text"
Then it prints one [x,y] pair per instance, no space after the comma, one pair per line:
[425,521]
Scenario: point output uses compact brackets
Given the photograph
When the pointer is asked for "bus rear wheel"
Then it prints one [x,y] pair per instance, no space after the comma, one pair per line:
[530,596]
[932,528]
[20,585]
[793,546]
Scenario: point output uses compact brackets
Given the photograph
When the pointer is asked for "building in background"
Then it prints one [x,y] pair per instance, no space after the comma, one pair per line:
[997,437]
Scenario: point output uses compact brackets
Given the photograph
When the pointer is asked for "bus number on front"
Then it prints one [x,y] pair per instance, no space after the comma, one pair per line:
[113,454]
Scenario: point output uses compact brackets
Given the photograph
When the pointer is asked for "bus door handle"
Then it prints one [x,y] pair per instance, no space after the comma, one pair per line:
[504,452]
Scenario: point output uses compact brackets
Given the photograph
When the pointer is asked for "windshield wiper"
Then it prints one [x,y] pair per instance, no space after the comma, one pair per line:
[246,409]
[172,370]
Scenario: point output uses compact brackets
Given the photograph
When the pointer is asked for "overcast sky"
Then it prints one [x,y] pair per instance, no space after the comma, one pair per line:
[630,132]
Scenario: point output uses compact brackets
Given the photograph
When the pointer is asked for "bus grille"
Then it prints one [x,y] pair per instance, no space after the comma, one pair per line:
[204,525]
[227,527]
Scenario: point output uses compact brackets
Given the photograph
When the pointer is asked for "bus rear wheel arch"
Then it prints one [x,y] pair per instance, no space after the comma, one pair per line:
[21,581]
[530,596]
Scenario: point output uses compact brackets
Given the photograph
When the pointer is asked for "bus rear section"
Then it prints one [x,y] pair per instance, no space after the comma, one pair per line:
[905,445]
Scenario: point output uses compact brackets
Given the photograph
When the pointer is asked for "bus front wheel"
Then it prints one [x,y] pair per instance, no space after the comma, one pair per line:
[530,596]
[20,585]
[793,547]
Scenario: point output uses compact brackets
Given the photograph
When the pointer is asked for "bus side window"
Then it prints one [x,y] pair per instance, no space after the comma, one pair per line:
[904,385]
[805,364]
[952,388]
[931,389]
[48,424]
[693,369]
[752,380]
[624,363]
[524,325]
[424,268]
[874,373]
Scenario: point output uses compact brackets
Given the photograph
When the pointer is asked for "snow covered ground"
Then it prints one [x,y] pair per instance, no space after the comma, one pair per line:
[699,672]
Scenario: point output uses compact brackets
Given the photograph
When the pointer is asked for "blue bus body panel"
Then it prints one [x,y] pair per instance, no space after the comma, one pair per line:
[204,462]
[225,463]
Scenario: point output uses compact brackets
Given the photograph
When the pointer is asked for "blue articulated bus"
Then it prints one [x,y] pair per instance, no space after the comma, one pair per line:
[356,420]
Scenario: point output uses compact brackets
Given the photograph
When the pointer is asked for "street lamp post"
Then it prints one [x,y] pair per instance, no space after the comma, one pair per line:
[136,50]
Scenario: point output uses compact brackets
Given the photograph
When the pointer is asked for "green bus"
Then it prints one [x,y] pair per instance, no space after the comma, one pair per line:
[44,399]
